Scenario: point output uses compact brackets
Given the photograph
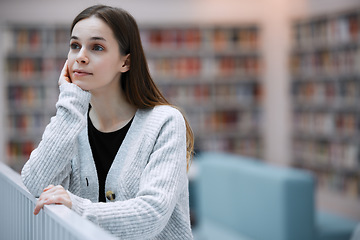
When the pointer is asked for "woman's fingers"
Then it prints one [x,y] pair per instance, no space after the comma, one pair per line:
[48,187]
[53,195]
[39,205]
[64,75]
[41,201]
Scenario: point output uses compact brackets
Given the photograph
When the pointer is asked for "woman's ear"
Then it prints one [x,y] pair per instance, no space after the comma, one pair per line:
[126,63]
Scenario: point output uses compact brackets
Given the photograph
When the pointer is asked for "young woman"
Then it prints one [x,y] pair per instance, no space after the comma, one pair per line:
[116,152]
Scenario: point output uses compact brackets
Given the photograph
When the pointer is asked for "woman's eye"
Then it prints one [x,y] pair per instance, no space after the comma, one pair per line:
[74,46]
[98,48]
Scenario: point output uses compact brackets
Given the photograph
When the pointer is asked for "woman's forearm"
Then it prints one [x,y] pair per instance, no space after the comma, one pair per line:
[50,162]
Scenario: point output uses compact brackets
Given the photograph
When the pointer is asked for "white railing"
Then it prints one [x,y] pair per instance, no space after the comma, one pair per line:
[55,222]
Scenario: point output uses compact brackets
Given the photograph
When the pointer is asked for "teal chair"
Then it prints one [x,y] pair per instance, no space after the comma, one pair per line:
[245,199]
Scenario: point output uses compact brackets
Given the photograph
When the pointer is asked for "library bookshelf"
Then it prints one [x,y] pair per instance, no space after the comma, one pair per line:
[325,92]
[213,73]
[34,56]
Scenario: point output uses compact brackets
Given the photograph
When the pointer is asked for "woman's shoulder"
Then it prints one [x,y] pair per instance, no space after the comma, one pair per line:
[167,110]
[163,110]
[163,113]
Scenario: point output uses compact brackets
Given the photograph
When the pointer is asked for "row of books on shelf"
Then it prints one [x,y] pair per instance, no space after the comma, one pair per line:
[26,95]
[178,67]
[218,38]
[326,155]
[27,39]
[343,28]
[344,184]
[28,68]
[226,122]
[224,66]
[20,150]
[33,97]
[40,38]
[326,62]
[326,124]
[326,93]
[37,39]
[220,95]
[251,147]
[19,124]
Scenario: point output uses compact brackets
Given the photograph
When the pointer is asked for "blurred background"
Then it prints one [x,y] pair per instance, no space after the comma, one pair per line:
[274,80]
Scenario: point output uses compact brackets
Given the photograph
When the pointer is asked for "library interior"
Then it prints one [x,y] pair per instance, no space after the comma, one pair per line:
[270,89]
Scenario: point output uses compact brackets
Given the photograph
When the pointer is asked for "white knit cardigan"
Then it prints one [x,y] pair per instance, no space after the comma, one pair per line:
[148,175]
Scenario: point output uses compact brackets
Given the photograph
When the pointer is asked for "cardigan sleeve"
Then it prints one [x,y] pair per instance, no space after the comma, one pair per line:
[50,162]
[161,186]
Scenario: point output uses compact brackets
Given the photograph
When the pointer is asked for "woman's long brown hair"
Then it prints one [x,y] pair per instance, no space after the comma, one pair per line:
[137,84]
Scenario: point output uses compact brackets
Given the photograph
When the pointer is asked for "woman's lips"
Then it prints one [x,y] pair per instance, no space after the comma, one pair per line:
[81,73]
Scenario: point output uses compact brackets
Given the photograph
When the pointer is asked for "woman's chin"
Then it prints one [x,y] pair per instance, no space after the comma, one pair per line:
[80,84]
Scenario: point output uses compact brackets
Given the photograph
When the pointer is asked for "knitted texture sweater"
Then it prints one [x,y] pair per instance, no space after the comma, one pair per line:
[148,176]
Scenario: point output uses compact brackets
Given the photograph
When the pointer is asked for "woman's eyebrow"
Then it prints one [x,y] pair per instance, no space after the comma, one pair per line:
[98,38]
[92,38]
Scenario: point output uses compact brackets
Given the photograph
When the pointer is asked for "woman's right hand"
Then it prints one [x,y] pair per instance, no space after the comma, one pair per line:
[53,195]
[64,75]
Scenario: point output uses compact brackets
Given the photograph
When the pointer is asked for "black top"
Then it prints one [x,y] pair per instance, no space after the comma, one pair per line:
[104,147]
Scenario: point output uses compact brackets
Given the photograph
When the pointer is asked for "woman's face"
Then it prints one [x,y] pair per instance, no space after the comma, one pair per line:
[94,59]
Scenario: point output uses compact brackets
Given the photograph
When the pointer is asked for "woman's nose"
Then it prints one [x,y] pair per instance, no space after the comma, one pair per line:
[81,57]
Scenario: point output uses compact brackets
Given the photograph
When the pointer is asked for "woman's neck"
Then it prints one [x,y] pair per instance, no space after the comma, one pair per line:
[110,112]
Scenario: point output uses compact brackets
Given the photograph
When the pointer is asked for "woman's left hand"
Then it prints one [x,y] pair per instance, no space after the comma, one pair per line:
[53,195]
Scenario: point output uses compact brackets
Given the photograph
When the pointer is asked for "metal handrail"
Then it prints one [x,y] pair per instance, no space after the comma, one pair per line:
[55,222]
